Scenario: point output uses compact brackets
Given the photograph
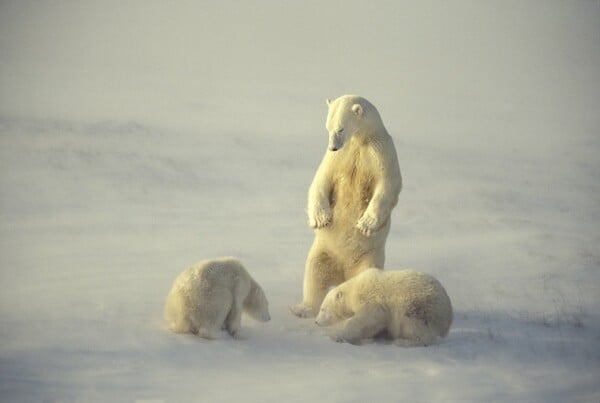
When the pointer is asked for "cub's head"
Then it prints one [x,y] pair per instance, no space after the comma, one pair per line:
[256,304]
[333,309]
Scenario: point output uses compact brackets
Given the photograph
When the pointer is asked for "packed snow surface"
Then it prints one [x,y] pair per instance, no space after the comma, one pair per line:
[137,138]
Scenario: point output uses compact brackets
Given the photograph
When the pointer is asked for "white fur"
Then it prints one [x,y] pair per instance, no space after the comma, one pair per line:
[405,304]
[211,295]
[350,199]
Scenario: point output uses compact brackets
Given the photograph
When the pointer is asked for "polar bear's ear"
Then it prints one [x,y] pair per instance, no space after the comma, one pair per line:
[328,101]
[339,295]
[357,109]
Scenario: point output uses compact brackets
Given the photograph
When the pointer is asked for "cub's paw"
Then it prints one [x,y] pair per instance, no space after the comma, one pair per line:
[338,338]
[343,338]
[367,225]
[233,330]
[210,334]
[302,311]
[237,335]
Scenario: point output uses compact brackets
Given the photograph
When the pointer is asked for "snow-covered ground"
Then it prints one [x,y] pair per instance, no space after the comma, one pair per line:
[137,138]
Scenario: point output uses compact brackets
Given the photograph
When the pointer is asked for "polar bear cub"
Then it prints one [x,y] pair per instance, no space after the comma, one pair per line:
[211,295]
[404,304]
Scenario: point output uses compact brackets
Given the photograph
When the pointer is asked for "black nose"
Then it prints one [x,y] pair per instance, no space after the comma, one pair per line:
[333,149]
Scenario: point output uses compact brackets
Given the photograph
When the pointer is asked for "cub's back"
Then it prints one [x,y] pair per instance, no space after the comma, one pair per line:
[219,272]
[209,274]
[408,284]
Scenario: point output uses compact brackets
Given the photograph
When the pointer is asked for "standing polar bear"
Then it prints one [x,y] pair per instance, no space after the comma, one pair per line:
[350,200]
[211,295]
[405,304]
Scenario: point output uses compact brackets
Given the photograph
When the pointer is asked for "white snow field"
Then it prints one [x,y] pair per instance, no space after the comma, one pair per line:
[137,138]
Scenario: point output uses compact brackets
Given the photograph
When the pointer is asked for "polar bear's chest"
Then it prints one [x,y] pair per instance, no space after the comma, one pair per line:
[353,183]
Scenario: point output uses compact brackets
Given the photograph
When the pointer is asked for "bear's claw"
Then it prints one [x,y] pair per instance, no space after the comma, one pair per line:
[320,218]
[367,225]
[302,311]
[340,338]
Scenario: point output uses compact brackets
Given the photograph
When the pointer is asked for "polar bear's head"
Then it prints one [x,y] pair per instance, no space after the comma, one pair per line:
[333,309]
[256,304]
[348,115]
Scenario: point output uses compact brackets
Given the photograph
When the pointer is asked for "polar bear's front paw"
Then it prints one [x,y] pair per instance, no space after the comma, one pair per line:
[302,311]
[367,225]
[319,218]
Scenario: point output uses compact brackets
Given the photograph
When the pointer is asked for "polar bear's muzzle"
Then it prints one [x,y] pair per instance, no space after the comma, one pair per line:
[336,141]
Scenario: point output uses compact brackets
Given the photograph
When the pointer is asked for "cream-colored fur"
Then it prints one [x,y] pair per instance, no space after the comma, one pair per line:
[350,199]
[404,304]
[211,295]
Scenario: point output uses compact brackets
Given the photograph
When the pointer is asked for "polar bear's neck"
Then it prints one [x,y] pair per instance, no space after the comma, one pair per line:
[372,134]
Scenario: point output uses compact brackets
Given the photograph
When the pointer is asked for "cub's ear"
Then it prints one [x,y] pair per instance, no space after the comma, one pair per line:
[328,101]
[339,295]
[357,109]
